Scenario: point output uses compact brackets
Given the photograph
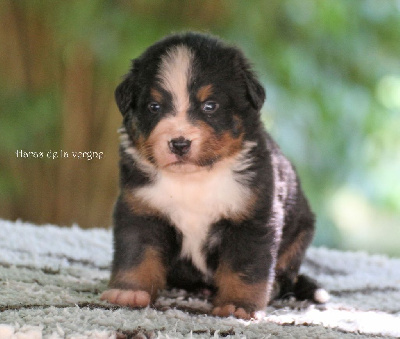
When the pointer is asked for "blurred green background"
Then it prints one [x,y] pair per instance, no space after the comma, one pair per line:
[331,71]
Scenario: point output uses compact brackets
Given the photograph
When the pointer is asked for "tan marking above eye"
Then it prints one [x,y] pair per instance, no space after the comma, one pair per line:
[156,95]
[204,92]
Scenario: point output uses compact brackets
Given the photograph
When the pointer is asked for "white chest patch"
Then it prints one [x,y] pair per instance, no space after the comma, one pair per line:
[194,201]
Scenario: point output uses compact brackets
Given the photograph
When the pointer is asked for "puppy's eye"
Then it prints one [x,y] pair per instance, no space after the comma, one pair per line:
[154,107]
[209,107]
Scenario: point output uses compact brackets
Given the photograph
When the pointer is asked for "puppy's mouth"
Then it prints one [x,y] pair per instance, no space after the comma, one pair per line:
[179,161]
[197,150]
[188,164]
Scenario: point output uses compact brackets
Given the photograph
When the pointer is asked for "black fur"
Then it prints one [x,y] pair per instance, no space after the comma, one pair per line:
[259,248]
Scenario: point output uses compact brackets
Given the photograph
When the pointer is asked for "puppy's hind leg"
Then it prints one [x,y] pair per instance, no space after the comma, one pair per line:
[288,282]
[307,288]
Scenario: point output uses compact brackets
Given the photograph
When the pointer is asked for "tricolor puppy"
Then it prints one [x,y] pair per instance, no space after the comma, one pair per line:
[207,198]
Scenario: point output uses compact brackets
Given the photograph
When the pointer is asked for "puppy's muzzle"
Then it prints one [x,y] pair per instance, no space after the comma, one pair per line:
[179,146]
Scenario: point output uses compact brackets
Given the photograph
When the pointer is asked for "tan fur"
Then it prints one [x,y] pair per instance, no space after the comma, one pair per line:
[156,95]
[288,256]
[204,92]
[233,290]
[149,275]
[166,130]
[138,205]
[206,147]
[194,201]
[217,146]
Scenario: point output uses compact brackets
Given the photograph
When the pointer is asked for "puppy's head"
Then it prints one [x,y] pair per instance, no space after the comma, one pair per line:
[188,102]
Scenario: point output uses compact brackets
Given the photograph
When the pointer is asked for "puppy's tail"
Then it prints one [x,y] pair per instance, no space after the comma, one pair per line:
[307,288]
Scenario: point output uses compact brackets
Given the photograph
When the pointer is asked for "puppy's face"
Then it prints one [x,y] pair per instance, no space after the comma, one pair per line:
[187,102]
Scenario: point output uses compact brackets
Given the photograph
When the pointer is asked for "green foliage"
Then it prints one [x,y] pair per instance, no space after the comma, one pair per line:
[331,70]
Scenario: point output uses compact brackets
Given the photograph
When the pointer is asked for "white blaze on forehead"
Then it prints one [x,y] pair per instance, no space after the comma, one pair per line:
[174,75]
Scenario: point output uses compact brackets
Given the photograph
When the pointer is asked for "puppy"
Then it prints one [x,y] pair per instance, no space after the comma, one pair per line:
[206,197]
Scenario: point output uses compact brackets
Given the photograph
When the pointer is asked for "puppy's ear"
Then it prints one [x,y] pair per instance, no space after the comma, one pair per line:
[254,90]
[127,91]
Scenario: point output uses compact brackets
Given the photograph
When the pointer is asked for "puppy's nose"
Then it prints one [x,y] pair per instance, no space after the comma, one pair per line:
[179,146]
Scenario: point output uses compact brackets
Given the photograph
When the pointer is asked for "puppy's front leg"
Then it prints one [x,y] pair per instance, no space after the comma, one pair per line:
[138,267]
[138,285]
[245,273]
[236,296]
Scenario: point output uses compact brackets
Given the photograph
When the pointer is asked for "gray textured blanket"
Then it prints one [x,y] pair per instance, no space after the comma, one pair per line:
[51,279]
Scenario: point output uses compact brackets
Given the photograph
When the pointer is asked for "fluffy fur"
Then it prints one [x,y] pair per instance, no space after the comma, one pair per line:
[207,198]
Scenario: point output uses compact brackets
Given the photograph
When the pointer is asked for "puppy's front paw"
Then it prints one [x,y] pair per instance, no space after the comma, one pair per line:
[230,309]
[126,297]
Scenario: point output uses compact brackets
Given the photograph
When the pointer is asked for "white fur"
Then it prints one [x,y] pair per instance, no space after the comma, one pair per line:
[278,210]
[174,75]
[321,296]
[129,149]
[244,161]
[194,201]
[280,189]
